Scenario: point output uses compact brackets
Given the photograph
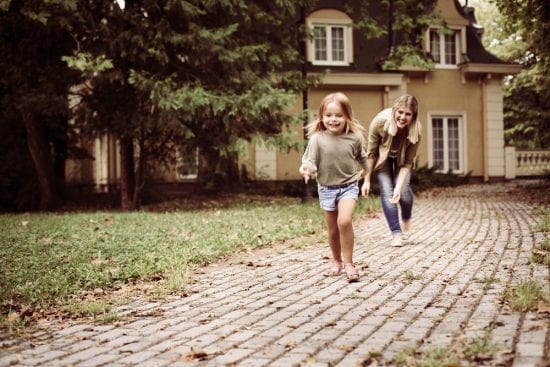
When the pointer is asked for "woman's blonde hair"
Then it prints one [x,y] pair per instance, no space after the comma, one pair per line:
[408,101]
[352,125]
[415,127]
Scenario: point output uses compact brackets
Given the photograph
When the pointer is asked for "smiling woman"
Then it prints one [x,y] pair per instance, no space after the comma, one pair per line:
[394,137]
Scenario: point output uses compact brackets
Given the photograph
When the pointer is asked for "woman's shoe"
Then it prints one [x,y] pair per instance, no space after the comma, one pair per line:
[396,241]
[351,273]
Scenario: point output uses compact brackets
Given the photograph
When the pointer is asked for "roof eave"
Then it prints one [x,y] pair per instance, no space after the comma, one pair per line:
[482,68]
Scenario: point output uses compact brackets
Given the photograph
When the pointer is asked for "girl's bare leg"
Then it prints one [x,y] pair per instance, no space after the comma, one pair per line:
[334,241]
[346,207]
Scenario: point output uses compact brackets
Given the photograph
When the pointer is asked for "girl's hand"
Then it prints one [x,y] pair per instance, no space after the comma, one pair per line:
[304,171]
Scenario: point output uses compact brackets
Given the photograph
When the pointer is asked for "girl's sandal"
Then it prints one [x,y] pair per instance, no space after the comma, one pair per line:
[335,269]
[351,272]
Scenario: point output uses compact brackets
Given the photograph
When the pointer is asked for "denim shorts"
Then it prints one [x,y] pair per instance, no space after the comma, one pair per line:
[329,196]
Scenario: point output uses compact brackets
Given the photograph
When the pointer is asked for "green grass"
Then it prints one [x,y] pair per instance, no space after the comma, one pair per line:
[409,275]
[480,346]
[435,357]
[50,259]
[524,296]
[543,224]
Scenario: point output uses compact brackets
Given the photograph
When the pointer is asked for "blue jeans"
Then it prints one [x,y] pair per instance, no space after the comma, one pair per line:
[387,178]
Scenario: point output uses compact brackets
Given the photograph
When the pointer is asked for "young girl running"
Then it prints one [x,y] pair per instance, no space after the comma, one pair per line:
[335,156]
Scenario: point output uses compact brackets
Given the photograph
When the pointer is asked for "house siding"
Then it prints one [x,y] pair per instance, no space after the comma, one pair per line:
[495,129]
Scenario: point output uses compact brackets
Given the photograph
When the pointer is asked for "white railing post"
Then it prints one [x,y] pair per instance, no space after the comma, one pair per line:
[510,163]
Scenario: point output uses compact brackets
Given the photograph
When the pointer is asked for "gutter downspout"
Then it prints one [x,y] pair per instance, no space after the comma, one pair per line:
[307,193]
[485,123]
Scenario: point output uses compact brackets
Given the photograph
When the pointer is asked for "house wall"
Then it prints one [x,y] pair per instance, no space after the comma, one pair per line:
[495,128]
[443,92]
[80,171]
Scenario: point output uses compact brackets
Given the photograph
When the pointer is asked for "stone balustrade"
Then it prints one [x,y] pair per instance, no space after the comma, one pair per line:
[524,163]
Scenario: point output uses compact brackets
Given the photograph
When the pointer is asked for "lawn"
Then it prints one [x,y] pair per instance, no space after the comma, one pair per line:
[50,259]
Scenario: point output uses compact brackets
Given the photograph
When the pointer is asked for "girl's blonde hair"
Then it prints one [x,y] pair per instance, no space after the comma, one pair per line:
[352,125]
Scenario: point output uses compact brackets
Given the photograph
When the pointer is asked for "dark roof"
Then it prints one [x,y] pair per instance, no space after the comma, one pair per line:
[370,53]
[475,51]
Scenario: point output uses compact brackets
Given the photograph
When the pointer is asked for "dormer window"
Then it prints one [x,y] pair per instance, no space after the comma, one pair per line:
[445,47]
[331,42]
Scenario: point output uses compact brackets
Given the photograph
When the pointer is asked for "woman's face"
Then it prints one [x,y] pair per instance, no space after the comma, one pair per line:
[403,116]
[334,119]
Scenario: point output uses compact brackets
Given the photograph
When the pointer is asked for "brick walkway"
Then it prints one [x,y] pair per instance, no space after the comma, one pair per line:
[469,245]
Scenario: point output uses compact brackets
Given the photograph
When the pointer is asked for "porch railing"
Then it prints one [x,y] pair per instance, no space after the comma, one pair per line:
[523,163]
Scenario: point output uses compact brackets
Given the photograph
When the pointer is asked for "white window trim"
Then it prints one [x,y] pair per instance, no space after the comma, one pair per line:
[463,144]
[460,39]
[348,41]
[180,163]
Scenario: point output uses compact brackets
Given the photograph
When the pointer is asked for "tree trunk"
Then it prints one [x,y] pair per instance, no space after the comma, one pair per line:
[139,175]
[217,172]
[60,156]
[127,174]
[42,159]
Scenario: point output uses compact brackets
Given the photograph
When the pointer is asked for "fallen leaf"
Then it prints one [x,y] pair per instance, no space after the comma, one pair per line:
[195,354]
[258,264]
[543,307]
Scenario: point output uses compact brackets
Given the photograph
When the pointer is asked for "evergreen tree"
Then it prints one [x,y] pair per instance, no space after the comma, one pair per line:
[518,31]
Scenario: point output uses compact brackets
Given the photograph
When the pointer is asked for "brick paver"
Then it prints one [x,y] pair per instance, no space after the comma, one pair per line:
[443,290]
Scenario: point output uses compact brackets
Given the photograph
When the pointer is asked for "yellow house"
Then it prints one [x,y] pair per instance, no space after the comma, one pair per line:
[461,102]
[460,99]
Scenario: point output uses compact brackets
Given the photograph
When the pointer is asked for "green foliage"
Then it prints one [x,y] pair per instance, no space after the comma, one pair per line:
[527,109]
[524,296]
[434,357]
[33,93]
[543,224]
[86,63]
[407,56]
[518,31]
[424,178]
[409,20]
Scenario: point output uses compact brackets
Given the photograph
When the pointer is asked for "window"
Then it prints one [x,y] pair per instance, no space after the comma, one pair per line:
[445,47]
[329,44]
[187,163]
[447,143]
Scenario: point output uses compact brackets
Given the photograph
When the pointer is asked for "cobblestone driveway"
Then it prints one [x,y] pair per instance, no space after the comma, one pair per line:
[442,292]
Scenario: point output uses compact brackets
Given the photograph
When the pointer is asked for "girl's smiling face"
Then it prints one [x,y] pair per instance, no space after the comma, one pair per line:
[333,118]
[403,116]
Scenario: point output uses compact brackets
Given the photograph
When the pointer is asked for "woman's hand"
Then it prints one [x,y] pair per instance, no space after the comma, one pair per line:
[365,188]
[396,197]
